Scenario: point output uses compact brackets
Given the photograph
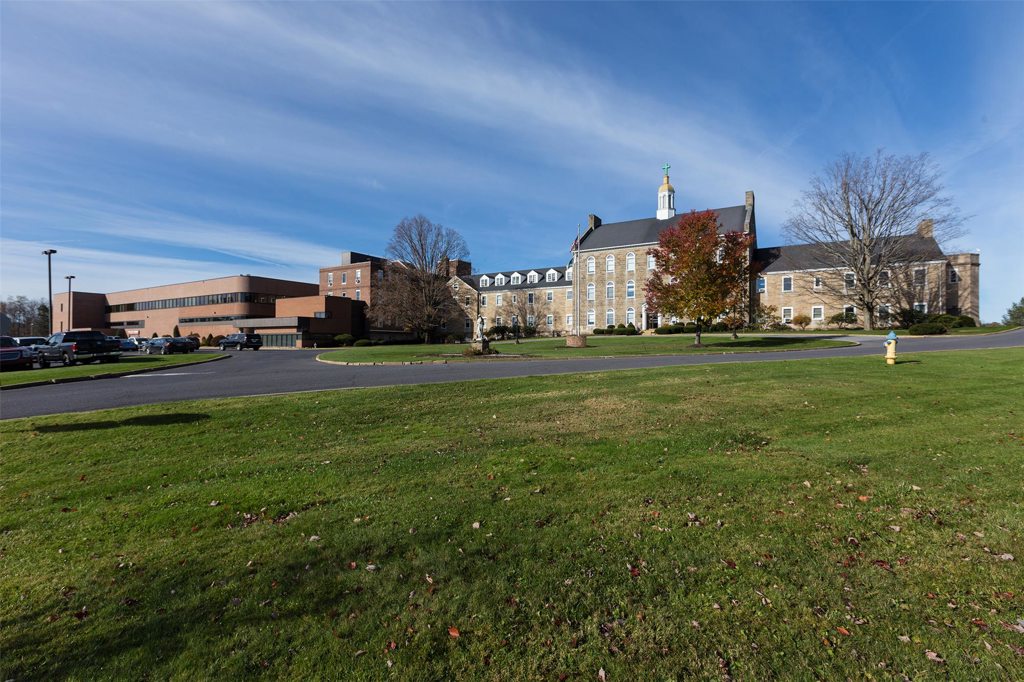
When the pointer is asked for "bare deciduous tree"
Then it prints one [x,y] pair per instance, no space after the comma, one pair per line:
[29,317]
[415,294]
[862,216]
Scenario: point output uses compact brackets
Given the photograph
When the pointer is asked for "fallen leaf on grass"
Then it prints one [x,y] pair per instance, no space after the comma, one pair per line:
[934,657]
[863,498]
[843,631]
[314,538]
[904,639]
[1005,557]
[453,632]
[601,675]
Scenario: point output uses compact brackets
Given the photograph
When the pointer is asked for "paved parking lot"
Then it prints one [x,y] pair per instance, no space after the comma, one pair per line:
[288,371]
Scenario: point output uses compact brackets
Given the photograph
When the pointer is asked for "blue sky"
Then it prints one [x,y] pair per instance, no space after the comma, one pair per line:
[153,143]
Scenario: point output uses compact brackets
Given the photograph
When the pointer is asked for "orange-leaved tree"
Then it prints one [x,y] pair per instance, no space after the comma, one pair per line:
[700,274]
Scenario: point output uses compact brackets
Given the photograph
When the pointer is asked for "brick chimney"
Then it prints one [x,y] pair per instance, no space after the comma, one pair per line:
[926,228]
[594,222]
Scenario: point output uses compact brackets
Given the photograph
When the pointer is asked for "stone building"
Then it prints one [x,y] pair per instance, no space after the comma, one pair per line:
[614,261]
[534,297]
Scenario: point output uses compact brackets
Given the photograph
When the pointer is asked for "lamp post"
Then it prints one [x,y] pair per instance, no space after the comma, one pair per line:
[69,278]
[49,284]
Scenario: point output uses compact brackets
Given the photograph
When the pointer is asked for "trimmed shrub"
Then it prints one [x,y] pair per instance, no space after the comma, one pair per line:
[843,319]
[908,317]
[362,343]
[801,321]
[453,338]
[476,351]
[620,331]
[964,321]
[344,339]
[598,331]
[155,335]
[947,321]
[217,339]
[927,329]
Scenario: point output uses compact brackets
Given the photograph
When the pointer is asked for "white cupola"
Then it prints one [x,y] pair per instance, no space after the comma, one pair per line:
[666,197]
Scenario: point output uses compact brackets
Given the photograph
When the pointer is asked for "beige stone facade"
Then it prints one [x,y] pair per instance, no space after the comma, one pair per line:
[541,298]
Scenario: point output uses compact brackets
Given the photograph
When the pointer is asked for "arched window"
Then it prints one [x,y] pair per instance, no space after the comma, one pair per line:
[630,316]
[650,261]
[630,262]
[609,263]
[590,264]
[609,290]
[630,289]
[590,291]
[609,316]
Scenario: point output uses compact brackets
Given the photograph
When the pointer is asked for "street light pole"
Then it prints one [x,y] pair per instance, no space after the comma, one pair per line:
[49,284]
[69,278]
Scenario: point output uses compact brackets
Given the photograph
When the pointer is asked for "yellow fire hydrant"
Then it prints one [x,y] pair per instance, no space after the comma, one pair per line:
[890,348]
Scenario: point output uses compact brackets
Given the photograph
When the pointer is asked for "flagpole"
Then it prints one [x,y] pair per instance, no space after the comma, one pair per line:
[575,283]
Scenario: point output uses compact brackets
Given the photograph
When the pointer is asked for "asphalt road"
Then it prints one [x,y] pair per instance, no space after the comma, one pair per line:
[288,371]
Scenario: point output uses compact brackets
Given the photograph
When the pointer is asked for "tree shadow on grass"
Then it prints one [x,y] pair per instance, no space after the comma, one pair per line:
[143,420]
[762,343]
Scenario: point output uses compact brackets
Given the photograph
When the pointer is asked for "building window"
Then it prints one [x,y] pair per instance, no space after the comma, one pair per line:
[921,308]
[568,294]
[483,300]
[549,296]
[591,290]
[330,279]
[590,264]
[344,294]
[321,314]
[818,313]
[609,316]
[529,298]
[883,312]
[568,275]
[630,316]
[330,293]
[552,276]
[517,279]
[515,298]
[358,295]
[497,299]
[760,285]
[359,277]
[549,320]
[609,263]
[532,278]
[380,275]
[485,281]
[817,282]
[787,284]
[953,276]
[630,289]
[850,310]
[468,325]
[883,278]
[787,315]
[568,320]
[919,277]
[849,281]
[590,318]
[499,280]
[497,321]
[531,321]
[630,262]
[465,301]
[650,261]
[609,290]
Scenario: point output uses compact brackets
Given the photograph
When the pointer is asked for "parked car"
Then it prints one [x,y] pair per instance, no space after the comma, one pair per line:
[166,345]
[240,341]
[72,347]
[13,356]
[193,342]
[128,344]
[29,340]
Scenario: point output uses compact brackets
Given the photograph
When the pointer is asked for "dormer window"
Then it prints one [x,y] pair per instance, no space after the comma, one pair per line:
[552,276]
[499,281]
[485,281]
[517,278]
[532,278]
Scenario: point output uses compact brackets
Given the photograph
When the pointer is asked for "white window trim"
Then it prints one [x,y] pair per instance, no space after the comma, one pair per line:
[630,284]
[630,262]
[591,264]
[609,263]
[817,282]
[821,313]
[609,291]
[790,289]
[786,319]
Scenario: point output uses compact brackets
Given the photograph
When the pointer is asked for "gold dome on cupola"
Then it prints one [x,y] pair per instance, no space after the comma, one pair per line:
[666,197]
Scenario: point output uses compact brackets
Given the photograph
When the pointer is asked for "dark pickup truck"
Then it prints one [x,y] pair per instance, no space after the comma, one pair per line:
[72,347]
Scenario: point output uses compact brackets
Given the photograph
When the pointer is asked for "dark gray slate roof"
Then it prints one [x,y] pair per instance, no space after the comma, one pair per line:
[813,256]
[646,230]
[474,280]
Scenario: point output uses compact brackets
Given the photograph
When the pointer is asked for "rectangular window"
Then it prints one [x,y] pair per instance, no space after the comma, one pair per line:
[529,298]
[549,320]
[609,317]
[850,310]
[849,280]
[515,298]
[330,279]
[568,294]
[359,276]
[469,325]
[787,284]
[550,296]
[344,278]
[531,321]
[465,301]
[650,262]
[883,278]
[883,312]
[921,307]
[953,276]
[497,299]
[552,277]
[380,275]
[590,318]
[817,282]
[760,285]
[817,313]
[787,315]
[483,300]
[358,295]
[919,277]
[497,321]
[568,320]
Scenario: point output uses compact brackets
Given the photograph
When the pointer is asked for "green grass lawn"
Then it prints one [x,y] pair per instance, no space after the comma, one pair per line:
[902,332]
[597,346]
[835,519]
[128,363]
